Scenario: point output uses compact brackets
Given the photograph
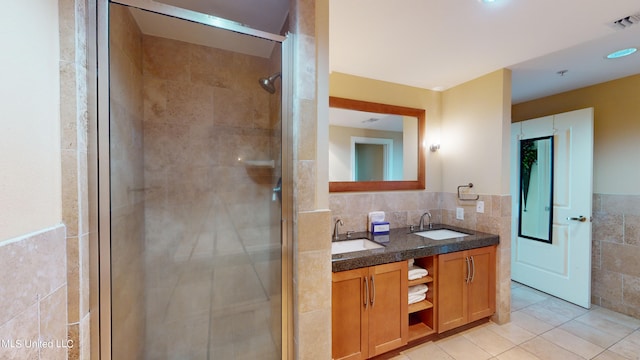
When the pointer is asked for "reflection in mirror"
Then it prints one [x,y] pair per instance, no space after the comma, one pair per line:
[374,146]
[365,146]
[536,189]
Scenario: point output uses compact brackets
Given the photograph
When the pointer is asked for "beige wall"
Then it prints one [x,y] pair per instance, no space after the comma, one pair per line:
[43,133]
[615,273]
[475,134]
[29,118]
[475,148]
[616,129]
[359,88]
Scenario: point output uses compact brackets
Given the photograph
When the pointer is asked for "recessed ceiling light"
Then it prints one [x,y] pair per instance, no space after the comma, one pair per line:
[621,53]
[487,1]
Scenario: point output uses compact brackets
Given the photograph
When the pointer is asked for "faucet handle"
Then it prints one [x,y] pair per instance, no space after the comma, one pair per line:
[349,233]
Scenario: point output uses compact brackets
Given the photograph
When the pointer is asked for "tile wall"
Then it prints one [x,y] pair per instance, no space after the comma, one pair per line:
[127,184]
[615,281]
[74,163]
[312,250]
[33,296]
[402,208]
[212,248]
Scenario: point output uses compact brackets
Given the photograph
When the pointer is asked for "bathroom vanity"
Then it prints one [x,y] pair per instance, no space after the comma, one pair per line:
[370,310]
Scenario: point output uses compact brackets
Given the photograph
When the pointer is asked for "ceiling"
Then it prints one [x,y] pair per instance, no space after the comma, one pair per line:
[438,44]
[365,120]
[265,15]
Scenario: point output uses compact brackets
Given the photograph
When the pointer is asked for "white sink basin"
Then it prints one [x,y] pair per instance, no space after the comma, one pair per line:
[441,234]
[340,247]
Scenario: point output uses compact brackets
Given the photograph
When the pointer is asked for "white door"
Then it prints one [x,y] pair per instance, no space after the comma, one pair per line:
[563,267]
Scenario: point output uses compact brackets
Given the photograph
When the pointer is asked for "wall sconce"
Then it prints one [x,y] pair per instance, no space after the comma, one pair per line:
[434,147]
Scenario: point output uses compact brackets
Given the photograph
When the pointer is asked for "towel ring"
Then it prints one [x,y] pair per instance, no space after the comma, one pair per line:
[470,185]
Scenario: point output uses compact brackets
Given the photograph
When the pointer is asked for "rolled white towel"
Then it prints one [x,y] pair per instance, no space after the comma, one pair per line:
[418,289]
[417,298]
[416,272]
[411,262]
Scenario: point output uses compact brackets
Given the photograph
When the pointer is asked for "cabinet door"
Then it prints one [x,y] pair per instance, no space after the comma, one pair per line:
[388,304]
[482,287]
[452,290]
[349,314]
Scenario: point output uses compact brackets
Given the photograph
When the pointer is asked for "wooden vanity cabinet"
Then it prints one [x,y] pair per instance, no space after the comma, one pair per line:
[369,311]
[466,287]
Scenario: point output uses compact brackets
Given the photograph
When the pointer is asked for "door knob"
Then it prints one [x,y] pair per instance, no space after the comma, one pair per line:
[579,218]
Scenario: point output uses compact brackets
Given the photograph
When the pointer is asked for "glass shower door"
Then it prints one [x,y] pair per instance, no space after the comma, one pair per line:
[195,162]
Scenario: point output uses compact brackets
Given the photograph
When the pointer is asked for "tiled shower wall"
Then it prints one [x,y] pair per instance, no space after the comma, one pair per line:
[127,184]
[615,281]
[212,240]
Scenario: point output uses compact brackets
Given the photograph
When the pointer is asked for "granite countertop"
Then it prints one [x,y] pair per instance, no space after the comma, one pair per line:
[403,245]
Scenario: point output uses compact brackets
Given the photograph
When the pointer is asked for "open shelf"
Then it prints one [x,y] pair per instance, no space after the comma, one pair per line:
[419,306]
[418,329]
[422,315]
[422,280]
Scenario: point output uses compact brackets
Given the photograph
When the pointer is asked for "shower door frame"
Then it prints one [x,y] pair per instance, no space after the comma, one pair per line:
[100,250]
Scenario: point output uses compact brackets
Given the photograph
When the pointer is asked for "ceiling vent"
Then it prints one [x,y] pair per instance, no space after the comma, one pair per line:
[626,21]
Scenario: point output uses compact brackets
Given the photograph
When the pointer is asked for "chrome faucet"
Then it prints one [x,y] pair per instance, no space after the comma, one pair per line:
[421,224]
[335,228]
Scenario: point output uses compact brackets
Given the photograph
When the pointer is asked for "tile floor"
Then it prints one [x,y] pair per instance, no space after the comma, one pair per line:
[541,327]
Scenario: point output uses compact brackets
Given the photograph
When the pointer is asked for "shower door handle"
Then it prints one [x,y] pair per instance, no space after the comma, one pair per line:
[277,191]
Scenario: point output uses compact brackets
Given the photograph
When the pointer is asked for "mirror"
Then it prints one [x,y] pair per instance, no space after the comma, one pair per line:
[536,189]
[375,147]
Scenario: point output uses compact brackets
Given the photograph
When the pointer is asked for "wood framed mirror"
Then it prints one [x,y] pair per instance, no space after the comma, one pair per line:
[361,131]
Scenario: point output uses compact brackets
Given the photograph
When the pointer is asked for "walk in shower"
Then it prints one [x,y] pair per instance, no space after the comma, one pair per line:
[195,191]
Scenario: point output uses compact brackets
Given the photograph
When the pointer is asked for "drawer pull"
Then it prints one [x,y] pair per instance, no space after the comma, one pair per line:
[468,274]
[373,290]
[365,296]
[473,269]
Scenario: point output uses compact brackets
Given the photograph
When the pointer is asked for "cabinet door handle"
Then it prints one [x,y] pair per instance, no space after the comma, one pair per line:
[373,290]
[473,269]
[467,277]
[365,296]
